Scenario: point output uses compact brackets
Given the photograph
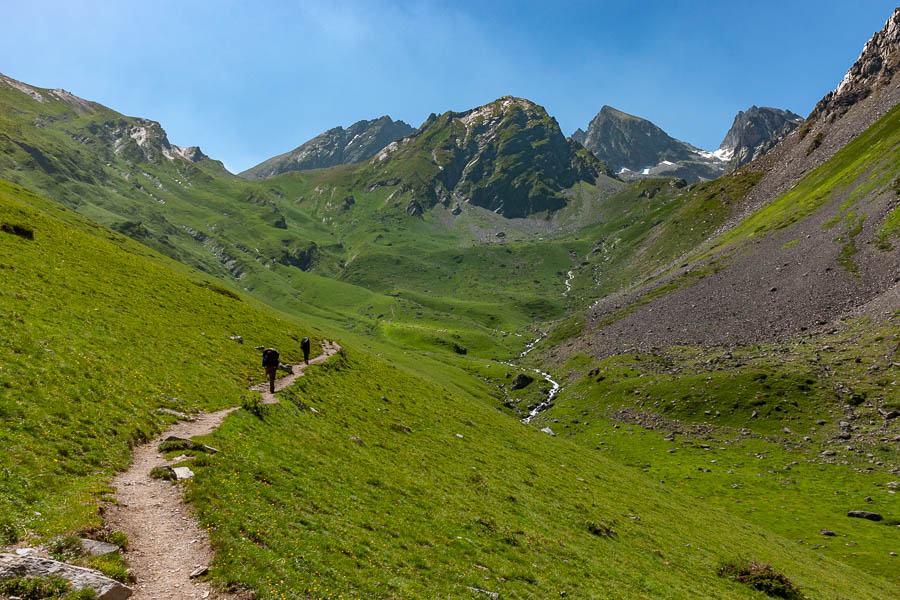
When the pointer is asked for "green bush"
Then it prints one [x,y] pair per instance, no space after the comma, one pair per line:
[599,528]
[253,404]
[165,473]
[762,577]
[112,565]
[66,548]
[10,532]
[42,588]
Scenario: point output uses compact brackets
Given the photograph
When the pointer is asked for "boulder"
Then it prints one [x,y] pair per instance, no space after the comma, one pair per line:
[493,595]
[864,514]
[96,548]
[81,578]
[175,413]
[548,431]
[521,380]
[199,572]
[182,473]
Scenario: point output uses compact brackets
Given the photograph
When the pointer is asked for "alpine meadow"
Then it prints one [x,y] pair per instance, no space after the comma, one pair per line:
[604,365]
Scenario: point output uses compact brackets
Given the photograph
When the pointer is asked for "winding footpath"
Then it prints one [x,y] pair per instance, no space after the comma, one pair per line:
[165,542]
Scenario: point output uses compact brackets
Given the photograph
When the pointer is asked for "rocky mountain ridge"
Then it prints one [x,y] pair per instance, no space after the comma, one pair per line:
[634,147]
[508,156]
[337,146]
[754,133]
[874,69]
[810,244]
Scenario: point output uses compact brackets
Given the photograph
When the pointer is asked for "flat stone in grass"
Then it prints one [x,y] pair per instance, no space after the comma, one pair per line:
[175,443]
[182,473]
[97,548]
[81,578]
[864,514]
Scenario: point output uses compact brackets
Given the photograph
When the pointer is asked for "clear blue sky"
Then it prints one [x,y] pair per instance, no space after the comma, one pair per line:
[248,80]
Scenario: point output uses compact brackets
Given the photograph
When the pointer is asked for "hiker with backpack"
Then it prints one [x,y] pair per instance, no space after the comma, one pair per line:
[304,345]
[270,362]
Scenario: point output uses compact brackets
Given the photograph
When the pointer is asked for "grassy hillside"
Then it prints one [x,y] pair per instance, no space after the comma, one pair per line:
[338,245]
[98,332]
[439,492]
[397,488]
[758,431]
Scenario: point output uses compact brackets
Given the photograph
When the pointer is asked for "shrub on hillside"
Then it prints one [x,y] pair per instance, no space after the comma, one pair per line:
[762,577]
[599,528]
[66,548]
[10,532]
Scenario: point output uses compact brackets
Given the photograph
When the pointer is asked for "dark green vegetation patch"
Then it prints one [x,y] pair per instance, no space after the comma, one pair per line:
[762,577]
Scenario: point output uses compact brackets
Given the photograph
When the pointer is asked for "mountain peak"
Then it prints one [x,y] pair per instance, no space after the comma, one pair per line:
[626,143]
[508,156]
[754,132]
[337,146]
[615,113]
[874,68]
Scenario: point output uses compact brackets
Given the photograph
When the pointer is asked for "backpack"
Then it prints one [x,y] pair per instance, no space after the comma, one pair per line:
[304,343]
[270,358]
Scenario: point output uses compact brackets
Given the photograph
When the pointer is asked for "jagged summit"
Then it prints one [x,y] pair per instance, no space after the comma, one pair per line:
[80,105]
[132,138]
[337,146]
[754,132]
[874,69]
[635,147]
[508,156]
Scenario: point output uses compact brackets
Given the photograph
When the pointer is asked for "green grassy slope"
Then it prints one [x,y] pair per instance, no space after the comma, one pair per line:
[397,488]
[294,241]
[98,332]
[767,414]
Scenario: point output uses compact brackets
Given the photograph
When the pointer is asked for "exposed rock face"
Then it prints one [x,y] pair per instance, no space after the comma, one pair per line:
[142,140]
[780,288]
[755,132]
[874,69]
[508,156]
[864,514]
[337,146]
[134,139]
[634,147]
[22,566]
[521,381]
[303,258]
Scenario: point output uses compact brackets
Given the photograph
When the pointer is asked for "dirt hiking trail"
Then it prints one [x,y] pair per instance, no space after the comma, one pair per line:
[165,543]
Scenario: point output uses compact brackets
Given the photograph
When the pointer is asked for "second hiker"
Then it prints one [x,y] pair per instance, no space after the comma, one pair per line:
[270,362]
[304,345]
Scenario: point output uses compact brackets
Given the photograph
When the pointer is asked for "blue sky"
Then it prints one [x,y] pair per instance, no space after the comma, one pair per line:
[248,80]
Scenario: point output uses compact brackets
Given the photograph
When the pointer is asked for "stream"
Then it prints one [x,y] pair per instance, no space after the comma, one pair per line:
[546,403]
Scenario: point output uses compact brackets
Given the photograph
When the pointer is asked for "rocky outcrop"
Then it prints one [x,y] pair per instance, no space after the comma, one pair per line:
[337,146]
[874,69]
[302,257]
[634,147]
[138,140]
[521,381]
[80,578]
[508,156]
[754,133]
